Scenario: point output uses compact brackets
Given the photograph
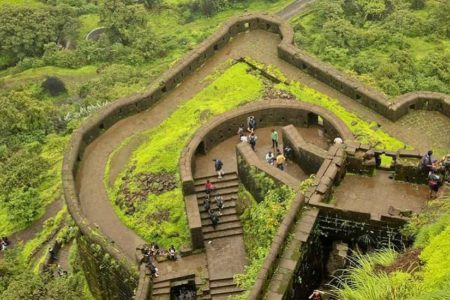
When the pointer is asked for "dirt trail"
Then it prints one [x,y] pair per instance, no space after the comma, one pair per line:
[93,197]
[30,232]
[293,9]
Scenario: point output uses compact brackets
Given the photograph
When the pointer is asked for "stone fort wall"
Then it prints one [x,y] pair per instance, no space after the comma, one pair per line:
[127,106]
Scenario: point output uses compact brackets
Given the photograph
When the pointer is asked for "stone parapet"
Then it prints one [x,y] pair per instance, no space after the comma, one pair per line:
[267,113]
[194,221]
[276,249]
[308,156]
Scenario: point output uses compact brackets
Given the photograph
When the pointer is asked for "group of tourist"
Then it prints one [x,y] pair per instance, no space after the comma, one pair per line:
[4,243]
[438,171]
[250,137]
[218,199]
[152,252]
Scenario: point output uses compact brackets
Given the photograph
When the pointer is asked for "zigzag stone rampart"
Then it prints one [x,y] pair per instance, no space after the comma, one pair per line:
[127,106]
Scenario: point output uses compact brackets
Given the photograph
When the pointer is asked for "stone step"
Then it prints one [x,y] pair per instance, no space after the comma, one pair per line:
[226,198]
[161,297]
[160,284]
[161,291]
[222,220]
[226,211]
[222,226]
[215,180]
[223,282]
[223,192]
[214,177]
[219,186]
[221,234]
[226,290]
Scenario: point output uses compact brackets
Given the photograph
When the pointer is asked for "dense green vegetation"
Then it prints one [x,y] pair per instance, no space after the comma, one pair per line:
[397,46]
[425,280]
[163,145]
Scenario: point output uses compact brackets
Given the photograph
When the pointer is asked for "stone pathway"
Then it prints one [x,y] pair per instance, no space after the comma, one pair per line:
[293,9]
[376,194]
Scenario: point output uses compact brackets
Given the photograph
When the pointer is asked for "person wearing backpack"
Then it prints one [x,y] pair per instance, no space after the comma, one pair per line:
[252,141]
[251,124]
[426,162]
[434,183]
[218,166]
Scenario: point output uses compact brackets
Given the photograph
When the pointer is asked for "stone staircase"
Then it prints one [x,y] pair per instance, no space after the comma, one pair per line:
[223,288]
[229,223]
[229,227]
[161,288]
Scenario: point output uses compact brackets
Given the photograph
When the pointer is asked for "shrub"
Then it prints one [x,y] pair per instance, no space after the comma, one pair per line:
[54,86]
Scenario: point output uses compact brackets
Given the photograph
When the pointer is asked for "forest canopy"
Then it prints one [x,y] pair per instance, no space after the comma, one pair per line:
[397,46]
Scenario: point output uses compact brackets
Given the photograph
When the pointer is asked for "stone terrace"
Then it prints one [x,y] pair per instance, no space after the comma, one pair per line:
[376,194]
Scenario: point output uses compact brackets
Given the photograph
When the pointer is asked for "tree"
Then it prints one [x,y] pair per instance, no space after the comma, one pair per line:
[25,30]
[121,20]
[54,86]
[365,10]
[151,3]
[21,112]
[442,14]
[417,4]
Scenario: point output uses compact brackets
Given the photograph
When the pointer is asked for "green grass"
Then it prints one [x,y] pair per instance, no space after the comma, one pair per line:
[37,73]
[164,144]
[359,127]
[21,3]
[429,280]
[50,188]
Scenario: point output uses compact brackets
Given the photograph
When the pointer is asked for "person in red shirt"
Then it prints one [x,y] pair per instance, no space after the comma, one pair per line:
[209,187]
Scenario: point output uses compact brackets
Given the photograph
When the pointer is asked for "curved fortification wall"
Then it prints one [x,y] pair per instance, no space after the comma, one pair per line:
[119,281]
[267,113]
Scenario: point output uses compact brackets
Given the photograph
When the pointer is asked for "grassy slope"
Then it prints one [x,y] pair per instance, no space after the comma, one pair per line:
[21,3]
[163,146]
[430,280]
